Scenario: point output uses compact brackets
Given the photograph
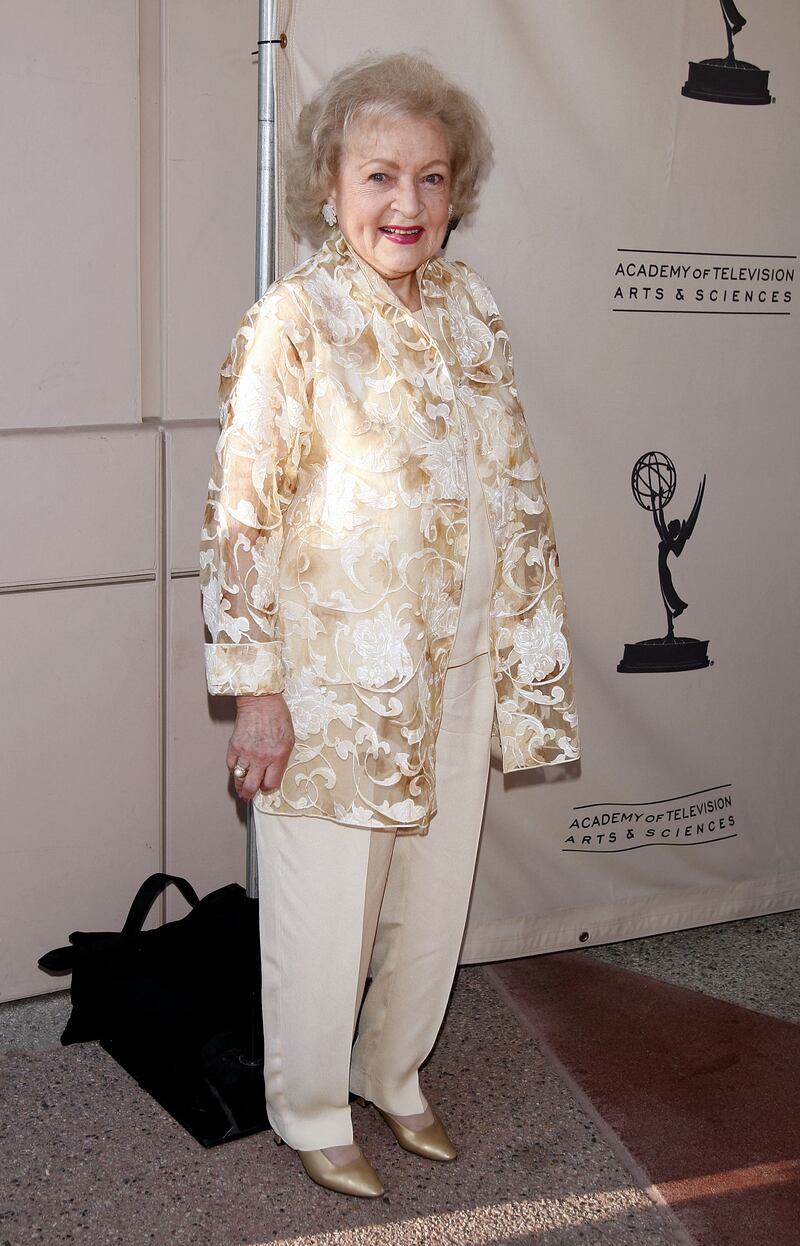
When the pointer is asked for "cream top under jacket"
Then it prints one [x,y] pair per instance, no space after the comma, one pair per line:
[337,526]
[472,635]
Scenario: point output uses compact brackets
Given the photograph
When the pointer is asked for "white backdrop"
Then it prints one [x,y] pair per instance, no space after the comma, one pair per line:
[682,810]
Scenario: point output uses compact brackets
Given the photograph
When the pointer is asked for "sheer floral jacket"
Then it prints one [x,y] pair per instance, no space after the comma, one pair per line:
[335,534]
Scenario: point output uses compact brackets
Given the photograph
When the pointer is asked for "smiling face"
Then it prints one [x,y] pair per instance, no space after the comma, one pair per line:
[391,195]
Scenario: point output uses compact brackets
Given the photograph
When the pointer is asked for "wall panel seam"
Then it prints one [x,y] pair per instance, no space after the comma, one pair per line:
[163,674]
[89,581]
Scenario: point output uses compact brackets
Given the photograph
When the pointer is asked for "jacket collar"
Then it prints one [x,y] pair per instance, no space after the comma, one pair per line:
[366,276]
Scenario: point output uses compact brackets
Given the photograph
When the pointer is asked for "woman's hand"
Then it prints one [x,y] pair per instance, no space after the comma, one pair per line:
[262,740]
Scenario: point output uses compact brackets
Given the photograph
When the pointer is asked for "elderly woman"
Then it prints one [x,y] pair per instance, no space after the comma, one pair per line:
[380,581]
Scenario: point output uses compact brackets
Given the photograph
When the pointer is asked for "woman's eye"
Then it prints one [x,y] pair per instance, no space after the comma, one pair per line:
[435,179]
[372,176]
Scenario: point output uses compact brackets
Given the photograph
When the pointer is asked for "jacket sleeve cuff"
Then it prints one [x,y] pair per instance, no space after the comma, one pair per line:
[244,670]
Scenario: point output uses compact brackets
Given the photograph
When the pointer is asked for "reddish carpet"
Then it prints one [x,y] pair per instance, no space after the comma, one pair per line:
[705,1095]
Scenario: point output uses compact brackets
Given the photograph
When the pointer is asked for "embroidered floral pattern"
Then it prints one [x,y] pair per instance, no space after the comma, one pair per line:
[335,535]
[541,645]
[380,641]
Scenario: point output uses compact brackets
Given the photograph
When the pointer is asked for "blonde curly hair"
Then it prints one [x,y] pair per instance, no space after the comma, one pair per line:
[381,88]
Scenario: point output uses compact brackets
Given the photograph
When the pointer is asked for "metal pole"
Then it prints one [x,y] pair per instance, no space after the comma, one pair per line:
[265,187]
[265,251]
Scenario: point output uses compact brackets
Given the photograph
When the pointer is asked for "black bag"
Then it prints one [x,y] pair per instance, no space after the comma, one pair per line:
[178,1006]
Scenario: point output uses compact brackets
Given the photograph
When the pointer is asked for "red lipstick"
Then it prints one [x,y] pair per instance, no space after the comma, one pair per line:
[402,235]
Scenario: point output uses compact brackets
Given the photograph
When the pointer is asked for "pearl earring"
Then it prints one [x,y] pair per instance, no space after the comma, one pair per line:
[329,213]
[449,211]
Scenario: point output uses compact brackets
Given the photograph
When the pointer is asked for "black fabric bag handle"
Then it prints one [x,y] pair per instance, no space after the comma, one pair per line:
[62,959]
[149,891]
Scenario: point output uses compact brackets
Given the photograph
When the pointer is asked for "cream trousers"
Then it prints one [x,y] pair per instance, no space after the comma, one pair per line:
[340,903]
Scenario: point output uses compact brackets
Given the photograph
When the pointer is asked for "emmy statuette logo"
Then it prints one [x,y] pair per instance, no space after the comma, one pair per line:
[724,80]
[653,484]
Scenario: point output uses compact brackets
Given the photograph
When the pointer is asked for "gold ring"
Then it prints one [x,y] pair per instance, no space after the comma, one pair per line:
[239,771]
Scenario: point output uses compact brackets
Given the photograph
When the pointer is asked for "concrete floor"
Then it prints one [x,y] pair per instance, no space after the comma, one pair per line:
[89,1157]
[752,962]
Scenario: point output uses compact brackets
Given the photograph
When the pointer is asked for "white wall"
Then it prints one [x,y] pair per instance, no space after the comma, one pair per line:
[126,246]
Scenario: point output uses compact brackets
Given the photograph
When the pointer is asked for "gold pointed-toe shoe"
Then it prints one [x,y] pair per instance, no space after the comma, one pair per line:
[358,1177]
[431,1142]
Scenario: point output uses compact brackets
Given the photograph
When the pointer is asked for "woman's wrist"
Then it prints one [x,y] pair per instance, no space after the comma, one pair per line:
[254,700]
